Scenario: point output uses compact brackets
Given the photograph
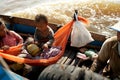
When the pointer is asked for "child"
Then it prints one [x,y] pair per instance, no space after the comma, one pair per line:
[43,31]
[43,38]
[8,38]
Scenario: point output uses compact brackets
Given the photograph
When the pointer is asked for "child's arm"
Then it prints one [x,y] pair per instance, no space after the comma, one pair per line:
[18,37]
[51,37]
[5,47]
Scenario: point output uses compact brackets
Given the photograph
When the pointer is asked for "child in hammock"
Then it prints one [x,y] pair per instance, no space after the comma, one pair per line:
[8,38]
[43,31]
[43,39]
[43,36]
[34,50]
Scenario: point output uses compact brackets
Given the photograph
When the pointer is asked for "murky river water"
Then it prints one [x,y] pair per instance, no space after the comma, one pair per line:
[102,14]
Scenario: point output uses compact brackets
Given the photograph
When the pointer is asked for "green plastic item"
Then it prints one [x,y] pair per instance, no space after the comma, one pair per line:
[90,53]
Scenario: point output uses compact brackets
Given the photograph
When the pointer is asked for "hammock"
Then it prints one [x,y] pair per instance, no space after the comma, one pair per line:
[61,38]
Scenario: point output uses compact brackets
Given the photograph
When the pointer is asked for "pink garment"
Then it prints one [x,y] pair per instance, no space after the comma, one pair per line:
[12,39]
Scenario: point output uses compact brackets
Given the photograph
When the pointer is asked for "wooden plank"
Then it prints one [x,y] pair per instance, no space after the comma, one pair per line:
[98,37]
[70,58]
[65,54]
[75,62]
[28,22]
[65,57]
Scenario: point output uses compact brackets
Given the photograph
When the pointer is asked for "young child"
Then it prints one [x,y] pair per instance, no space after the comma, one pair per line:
[43,31]
[8,38]
[43,37]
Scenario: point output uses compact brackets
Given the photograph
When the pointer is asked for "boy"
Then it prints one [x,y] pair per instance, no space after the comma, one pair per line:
[43,31]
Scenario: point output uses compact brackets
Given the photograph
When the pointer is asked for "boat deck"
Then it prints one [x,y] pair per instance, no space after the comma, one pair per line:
[69,58]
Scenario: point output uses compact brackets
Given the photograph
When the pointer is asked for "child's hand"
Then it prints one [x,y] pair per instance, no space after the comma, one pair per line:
[36,42]
[6,47]
[45,46]
[29,40]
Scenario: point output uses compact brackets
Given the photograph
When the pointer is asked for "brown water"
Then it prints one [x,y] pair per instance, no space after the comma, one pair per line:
[101,14]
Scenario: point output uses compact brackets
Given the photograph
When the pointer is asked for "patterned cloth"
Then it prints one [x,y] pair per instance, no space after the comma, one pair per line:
[53,51]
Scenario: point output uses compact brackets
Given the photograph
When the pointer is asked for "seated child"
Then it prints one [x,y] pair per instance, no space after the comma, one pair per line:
[43,36]
[9,38]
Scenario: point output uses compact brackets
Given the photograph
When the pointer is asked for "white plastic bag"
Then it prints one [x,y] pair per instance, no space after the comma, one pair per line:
[80,36]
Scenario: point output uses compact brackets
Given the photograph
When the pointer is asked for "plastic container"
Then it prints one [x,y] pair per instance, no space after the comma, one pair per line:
[33,49]
[90,53]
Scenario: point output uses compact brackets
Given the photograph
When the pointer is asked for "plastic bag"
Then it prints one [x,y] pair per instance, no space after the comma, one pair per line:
[80,36]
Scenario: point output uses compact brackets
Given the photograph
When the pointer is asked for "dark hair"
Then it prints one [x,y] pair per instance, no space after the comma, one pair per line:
[41,17]
[0,23]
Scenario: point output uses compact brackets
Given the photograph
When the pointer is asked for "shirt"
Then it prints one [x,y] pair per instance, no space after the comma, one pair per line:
[109,51]
[49,38]
[11,39]
[119,48]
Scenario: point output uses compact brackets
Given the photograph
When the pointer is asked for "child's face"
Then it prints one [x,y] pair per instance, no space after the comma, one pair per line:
[42,26]
[2,30]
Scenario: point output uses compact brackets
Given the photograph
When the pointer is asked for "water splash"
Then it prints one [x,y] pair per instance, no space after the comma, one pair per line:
[102,13]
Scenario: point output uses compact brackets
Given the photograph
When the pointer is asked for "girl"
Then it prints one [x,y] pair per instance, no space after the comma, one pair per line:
[8,38]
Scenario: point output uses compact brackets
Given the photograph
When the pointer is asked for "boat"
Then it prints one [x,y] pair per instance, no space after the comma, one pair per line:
[67,55]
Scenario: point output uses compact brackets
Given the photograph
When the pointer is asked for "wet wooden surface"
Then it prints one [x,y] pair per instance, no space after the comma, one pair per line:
[70,58]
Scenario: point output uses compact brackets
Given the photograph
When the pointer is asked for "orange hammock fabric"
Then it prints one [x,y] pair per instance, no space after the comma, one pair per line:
[14,50]
[61,38]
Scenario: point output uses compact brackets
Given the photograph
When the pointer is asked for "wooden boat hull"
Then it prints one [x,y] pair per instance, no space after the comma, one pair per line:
[26,26]
[22,25]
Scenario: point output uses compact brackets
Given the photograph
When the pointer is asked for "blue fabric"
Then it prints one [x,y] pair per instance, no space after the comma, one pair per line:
[8,75]
[22,28]
[96,43]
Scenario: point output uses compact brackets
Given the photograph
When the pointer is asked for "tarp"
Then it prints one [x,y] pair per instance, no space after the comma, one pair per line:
[9,75]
